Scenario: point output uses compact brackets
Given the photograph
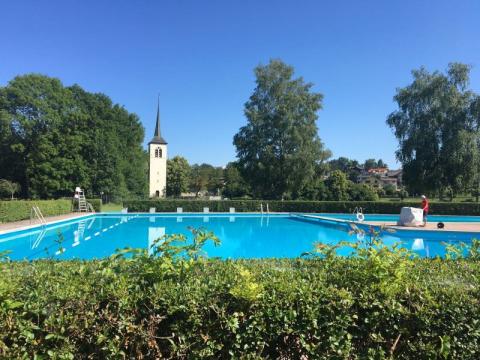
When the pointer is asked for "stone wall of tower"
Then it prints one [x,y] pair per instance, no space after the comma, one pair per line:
[158,170]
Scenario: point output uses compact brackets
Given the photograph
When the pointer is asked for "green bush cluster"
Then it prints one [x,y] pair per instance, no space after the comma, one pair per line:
[16,210]
[96,203]
[20,209]
[369,207]
[381,304]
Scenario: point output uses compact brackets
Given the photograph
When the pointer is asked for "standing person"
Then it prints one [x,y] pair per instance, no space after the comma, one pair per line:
[425,206]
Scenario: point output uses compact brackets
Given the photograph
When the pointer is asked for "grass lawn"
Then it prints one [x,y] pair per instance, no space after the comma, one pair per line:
[111,207]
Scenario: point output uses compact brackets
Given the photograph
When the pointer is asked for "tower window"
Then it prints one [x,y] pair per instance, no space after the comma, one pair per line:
[158,152]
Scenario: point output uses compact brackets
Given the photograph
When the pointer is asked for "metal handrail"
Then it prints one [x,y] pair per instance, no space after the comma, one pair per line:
[358,210]
[358,214]
[90,207]
[36,212]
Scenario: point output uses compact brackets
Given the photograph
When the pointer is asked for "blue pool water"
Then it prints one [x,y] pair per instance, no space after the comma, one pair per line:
[241,235]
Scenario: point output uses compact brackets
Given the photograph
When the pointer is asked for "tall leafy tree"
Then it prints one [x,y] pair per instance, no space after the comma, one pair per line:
[381,164]
[372,163]
[206,177]
[8,188]
[338,186]
[178,176]
[235,184]
[436,131]
[279,148]
[474,115]
[348,166]
[342,163]
[54,138]
[361,192]
[200,176]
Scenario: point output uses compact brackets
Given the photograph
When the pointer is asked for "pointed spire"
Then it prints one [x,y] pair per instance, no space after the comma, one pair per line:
[157,136]
[157,126]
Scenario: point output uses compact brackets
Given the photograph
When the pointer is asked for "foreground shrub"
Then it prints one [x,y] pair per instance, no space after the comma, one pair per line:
[380,304]
[369,207]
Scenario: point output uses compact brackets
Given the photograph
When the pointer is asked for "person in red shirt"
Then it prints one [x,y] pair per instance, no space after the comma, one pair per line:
[425,205]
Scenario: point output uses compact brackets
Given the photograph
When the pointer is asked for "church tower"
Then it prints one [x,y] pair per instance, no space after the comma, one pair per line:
[157,150]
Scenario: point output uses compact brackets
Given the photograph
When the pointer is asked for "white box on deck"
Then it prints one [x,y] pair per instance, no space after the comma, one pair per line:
[410,216]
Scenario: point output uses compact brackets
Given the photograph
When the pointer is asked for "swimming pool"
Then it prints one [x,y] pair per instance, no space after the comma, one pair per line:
[241,235]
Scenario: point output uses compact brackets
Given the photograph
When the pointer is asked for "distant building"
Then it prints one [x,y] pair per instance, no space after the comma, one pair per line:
[378,171]
[380,177]
[396,174]
[157,149]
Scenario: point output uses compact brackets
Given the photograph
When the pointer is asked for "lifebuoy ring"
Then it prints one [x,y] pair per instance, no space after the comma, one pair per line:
[360,217]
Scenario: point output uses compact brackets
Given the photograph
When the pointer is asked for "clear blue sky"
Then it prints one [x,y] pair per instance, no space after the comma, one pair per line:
[199,55]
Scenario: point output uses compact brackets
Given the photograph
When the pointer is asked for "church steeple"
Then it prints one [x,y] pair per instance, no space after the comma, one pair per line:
[157,137]
[157,163]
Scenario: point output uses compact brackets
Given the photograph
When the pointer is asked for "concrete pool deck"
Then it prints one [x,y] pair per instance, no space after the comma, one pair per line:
[432,226]
[449,226]
[25,224]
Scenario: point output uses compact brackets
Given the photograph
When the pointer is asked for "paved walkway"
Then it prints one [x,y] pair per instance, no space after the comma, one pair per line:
[26,223]
[449,226]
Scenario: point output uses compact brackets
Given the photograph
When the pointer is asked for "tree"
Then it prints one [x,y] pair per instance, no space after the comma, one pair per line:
[178,176]
[437,131]
[390,189]
[9,187]
[235,185]
[403,194]
[215,180]
[337,185]
[372,163]
[342,163]
[54,138]
[206,177]
[279,148]
[474,115]
[369,164]
[361,192]
[348,166]
[315,190]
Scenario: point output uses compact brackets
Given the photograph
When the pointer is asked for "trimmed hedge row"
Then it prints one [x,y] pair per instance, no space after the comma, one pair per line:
[289,309]
[369,207]
[20,209]
[96,203]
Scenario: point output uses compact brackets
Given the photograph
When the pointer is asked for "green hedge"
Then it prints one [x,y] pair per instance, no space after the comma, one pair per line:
[369,207]
[289,309]
[20,209]
[96,203]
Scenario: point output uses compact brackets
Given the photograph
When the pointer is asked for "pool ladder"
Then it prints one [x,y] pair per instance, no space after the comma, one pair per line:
[35,212]
[358,214]
[261,208]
